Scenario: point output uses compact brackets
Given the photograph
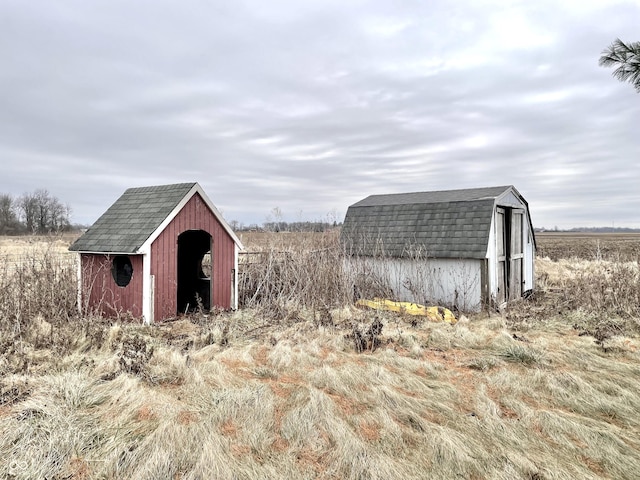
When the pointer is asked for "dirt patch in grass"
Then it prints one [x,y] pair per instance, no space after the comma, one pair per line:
[145,413]
[187,417]
[235,365]
[369,430]
[261,355]
[79,469]
[348,406]
[280,444]
[228,428]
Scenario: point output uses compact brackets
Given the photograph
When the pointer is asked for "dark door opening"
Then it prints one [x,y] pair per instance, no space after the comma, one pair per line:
[194,278]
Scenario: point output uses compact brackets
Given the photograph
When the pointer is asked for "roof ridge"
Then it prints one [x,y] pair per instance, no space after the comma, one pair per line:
[442,191]
[150,187]
[466,195]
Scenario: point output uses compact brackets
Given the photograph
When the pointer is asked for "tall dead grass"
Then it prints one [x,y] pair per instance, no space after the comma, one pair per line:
[40,281]
[301,270]
[37,304]
[599,298]
[434,401]
[605,287]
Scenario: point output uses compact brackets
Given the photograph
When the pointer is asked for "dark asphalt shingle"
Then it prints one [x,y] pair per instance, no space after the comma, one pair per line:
[444,224]
[127,224]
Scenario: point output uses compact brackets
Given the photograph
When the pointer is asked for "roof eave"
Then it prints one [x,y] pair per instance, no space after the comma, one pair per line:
[95,252]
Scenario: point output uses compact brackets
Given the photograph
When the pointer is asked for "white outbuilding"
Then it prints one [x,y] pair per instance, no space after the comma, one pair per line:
[466,249]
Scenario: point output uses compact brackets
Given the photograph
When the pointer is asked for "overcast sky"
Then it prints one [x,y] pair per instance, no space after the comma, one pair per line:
[310,106]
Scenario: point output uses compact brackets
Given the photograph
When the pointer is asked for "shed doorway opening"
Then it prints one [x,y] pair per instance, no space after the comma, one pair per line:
[510,253]
[194,271]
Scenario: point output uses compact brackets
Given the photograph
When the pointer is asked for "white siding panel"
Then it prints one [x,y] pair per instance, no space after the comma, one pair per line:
[445,282]
[529,257]
[492,257]
[510,200]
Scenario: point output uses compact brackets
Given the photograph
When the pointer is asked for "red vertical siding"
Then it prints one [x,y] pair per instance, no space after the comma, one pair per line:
[100,293]
[195,215]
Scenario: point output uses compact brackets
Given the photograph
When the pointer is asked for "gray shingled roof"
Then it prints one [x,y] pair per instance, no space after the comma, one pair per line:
[127,224]
[444,224]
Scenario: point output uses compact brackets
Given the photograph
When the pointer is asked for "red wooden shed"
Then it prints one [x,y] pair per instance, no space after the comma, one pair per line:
[157,252]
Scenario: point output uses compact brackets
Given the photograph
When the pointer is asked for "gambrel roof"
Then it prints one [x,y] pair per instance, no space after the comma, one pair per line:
[442,224]
[137,216]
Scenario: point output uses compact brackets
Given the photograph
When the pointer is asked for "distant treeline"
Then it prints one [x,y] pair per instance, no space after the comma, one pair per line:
[284,226]
[37,212]
[591,230]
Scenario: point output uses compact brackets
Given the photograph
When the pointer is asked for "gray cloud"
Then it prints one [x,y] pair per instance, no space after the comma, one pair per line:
[310,106]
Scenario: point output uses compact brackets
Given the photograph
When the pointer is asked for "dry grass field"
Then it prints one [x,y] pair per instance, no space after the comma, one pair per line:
[25,244]
[16,251]
[589,246]
[548,389]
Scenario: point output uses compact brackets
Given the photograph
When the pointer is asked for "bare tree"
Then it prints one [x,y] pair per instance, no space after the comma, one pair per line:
[273,222]
[43,213]
[626,56]
[9,223]
[28,209]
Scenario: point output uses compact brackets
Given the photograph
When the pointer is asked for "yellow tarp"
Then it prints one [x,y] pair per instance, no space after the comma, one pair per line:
[435,314]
